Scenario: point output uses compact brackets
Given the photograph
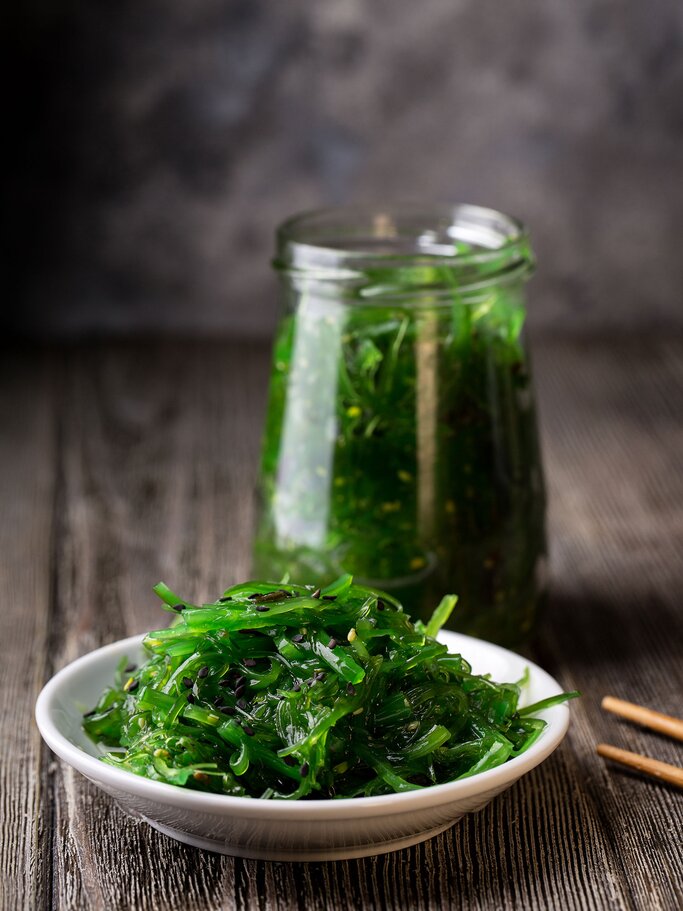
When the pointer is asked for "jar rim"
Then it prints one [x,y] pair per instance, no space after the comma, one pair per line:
[340,244]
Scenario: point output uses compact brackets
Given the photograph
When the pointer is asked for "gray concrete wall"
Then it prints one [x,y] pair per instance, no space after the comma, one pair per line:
[158,143]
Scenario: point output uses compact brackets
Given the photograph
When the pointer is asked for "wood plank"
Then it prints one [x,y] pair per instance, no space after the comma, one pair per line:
[612,419]
[158,463]
[156,440]
[27,479]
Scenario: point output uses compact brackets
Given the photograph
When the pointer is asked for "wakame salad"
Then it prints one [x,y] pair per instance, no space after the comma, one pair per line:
[401,445]
[282,691]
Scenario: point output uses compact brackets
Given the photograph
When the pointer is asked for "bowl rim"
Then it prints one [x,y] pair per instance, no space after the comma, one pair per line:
[557,719]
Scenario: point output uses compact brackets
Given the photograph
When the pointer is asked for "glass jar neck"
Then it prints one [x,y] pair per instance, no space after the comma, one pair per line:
[385,254]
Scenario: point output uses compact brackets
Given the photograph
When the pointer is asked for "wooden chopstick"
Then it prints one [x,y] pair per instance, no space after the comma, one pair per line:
[656,721]
[648,718]
[653,767]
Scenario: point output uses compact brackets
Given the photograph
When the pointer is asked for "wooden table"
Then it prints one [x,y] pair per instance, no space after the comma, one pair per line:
[124,464]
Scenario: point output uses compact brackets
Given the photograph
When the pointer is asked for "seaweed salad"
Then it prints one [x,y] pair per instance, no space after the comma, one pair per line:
[285,691]
[400,442]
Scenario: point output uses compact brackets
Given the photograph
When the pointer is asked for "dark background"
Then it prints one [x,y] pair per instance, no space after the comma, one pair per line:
[154,146]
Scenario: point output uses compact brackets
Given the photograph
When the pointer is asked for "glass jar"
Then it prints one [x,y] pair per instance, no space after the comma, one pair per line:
[400,441]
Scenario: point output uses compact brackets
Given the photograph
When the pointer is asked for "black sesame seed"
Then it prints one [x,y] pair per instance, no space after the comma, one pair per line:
[332,643]
[239,691]
[228,710]
[224,682]
[380,604]
[203,671]
[296,687]
[262,607]
[316,593]
[277,595]
[178,607]
[188,682]
[310,681]
[298,637]
[241,680]
[289,760]
[303,769]
[132,686]
[242,704]
[329,597]
[130,668]
[350,689]
[249,731]
[250,662]
[218,701]
[225,600]
[190,698]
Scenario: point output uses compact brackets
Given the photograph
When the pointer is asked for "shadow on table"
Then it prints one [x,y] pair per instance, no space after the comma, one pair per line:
[593,631]
[493,859]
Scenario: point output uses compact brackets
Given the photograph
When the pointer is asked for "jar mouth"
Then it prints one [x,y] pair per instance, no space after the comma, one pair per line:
[437,248]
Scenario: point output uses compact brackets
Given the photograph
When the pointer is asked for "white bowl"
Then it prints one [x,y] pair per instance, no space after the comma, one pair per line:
[281,829]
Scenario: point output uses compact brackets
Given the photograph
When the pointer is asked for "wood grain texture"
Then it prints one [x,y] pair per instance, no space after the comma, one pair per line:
[135,463]
[28,463]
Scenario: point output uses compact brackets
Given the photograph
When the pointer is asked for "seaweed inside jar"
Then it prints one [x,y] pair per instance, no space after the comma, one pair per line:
[401,442]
